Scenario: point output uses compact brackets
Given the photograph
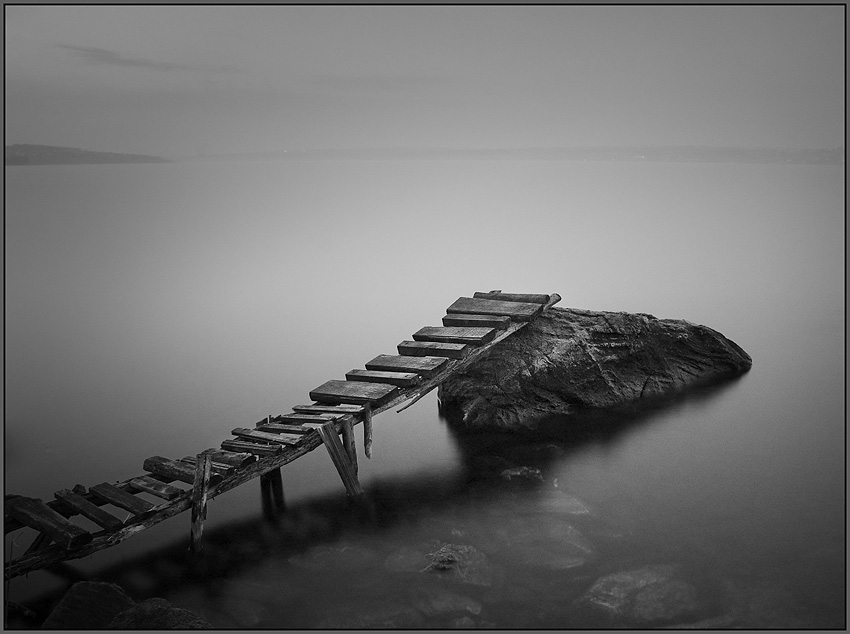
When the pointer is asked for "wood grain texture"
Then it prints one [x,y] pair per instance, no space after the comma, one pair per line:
[352,392]
[36,514]
[455,334]
[264,436]
[329,408]
[433,349]
[499,322]
[517,311]
[89,510]
[423,366]
[401,379]
[155,487]
[122,499]
[532,298]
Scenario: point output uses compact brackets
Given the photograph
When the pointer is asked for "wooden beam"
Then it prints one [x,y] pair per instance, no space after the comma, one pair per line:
[173,469]
[318,408]
[200,491]
[455,334]
[121,498]
[300,418]
[433,349]
[280,428]
[517,311]
[339,457]
[251,447]
[513,297]
[367,431]
[36,514]
[264,436]
[499,322]
[401,379]
[353,392]
[426,367]
[89,510]
[155,487]
[348,444]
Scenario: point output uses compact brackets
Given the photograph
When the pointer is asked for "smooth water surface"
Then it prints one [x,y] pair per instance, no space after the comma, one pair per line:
[152,308]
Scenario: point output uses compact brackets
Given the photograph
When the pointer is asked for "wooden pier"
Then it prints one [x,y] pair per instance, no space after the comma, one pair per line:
[471,326]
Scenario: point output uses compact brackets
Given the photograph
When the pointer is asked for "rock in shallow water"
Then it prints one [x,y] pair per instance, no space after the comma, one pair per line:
[651,595]
[569,359]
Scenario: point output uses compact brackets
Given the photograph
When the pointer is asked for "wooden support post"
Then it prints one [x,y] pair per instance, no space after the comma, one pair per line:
[271,492]
[199,500]
[367,430]
[329,437]
[348,443]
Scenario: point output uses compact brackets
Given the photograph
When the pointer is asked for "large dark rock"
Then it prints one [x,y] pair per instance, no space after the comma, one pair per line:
[569,359]
[88,605]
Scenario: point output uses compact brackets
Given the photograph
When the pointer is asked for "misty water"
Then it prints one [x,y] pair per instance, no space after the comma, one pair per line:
[150,309]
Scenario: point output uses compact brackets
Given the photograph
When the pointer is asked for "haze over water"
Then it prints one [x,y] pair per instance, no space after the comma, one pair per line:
[152,308]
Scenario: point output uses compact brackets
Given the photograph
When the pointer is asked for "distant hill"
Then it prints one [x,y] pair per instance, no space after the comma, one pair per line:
[26,154]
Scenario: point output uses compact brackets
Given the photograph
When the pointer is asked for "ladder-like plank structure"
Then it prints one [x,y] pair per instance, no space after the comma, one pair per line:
[471,326]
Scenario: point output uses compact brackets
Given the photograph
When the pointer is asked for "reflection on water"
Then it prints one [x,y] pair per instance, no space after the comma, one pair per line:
[524,552]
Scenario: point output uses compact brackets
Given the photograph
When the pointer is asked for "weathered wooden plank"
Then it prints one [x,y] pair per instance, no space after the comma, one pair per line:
[455,334]
[401,379]
[280,428]
[244,446]
[174,469]
[121,498]
[518,311]
[301,418]
[89,510]
[353,392]
[36,514]
[283,439]
[236,459]
[433,349]
[318,408]
[500,322]
[155,487]
[533,298]
[218,470]
[423,366]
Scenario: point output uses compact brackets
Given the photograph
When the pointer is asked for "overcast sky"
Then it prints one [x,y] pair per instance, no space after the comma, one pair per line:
[179,80]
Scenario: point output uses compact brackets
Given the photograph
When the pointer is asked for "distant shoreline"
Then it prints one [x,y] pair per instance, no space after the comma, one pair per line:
[26,154]
[678,154]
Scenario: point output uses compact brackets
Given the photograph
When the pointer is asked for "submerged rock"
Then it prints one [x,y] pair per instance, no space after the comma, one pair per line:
[651,595]
[461,562]
[569,359]
[88,605]
[158,614]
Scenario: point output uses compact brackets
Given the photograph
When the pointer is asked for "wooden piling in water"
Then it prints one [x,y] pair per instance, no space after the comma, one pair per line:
[200,489]
[271,494]
[367,430]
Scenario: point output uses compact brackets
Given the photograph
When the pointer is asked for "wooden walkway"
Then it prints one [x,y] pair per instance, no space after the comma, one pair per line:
[471,326]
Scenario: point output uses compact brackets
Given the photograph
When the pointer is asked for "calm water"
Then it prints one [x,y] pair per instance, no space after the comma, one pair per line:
[152,308]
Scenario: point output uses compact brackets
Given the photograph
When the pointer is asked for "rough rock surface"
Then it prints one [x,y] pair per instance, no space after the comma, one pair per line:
[569,359]
[157,614]
[88,605]
[93,605]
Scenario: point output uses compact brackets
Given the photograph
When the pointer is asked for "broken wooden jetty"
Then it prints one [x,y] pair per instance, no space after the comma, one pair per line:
[170,486]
